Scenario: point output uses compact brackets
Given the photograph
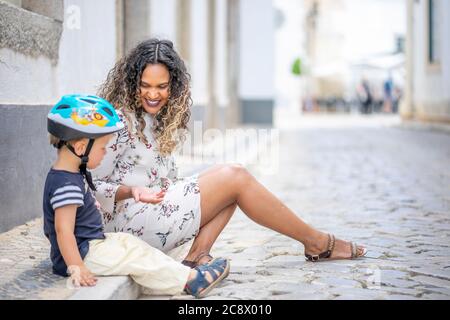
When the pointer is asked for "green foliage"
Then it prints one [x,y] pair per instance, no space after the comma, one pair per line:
[297,67]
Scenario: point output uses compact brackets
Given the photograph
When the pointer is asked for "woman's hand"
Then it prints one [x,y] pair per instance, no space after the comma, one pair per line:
[80,275]
[146,195]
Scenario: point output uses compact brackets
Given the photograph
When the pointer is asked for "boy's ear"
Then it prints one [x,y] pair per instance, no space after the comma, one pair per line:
[80,146]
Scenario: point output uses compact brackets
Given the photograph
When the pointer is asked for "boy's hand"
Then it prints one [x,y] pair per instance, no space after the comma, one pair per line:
[81,276]
[146,195]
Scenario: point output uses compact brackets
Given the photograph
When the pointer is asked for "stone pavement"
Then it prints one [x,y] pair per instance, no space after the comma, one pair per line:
[369,180]
[364,179]
[25,267]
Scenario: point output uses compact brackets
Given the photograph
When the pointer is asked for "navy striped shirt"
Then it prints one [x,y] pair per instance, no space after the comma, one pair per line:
[64,188]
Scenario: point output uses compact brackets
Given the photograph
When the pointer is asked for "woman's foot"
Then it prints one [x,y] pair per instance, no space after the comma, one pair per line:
[202,258]
[205,277]
[326,247]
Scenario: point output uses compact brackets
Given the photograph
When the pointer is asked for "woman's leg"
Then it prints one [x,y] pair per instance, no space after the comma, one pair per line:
[226,185]
[209,233]
[210,226]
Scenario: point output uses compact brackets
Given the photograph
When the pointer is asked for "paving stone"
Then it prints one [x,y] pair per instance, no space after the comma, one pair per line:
[435,282]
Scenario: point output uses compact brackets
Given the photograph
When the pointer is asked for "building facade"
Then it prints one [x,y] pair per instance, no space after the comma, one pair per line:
[427,95]
[348,40]
[53,47]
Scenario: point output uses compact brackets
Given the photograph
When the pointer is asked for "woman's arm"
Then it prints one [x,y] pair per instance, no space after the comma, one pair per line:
[107,189]
[142,194]
[123,193]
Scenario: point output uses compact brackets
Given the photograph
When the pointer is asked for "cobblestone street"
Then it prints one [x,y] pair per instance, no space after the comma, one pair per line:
[385,187]
[370,181]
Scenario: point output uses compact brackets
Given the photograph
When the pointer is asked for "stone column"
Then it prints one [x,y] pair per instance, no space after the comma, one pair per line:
[211,108]
[407,105]
[232,56]
[184,29]
[120,29]
[137,22]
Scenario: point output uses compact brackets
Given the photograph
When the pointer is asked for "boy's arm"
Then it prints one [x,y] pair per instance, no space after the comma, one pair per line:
[65,226]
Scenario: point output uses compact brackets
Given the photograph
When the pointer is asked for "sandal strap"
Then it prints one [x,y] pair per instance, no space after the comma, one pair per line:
[354,250]
[188,263]
[201,255]
[326,254]
[199,283]
[193,264]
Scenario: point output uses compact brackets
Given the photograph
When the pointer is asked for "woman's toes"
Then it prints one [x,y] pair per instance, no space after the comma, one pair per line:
[361,250]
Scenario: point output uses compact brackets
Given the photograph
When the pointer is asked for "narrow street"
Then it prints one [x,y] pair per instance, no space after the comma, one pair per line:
[369,181]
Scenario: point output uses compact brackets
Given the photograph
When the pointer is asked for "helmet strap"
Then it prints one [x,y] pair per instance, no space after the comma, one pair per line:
[84,160]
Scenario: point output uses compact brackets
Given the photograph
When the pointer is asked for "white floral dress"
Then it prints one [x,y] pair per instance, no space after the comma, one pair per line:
[131,162]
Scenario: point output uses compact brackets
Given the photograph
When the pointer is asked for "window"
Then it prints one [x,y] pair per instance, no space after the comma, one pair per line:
[434,32]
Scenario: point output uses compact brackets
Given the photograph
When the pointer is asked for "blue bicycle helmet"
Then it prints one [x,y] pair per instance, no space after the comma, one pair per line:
[78,116]
[82,116]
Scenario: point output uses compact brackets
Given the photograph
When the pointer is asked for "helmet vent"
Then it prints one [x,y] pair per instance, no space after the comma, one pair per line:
[89,101]
[108,111]
[63,106]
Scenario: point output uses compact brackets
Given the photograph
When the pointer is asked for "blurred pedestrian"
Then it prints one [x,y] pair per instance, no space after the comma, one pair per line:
[365,96]
[387,97]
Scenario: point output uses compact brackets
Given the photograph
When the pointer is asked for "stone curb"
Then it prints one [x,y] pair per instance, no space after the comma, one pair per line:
[109,288]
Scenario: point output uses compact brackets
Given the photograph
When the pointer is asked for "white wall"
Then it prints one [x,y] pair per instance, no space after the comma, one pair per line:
[431,88]
[370,26]
[289,45]
[199,58]
[26,80]
[86,53]
[257,50]
[163,19]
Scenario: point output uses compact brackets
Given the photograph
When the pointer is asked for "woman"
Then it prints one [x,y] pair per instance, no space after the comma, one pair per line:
[150,87]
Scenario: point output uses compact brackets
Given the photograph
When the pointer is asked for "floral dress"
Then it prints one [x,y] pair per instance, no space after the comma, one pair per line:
[131,162]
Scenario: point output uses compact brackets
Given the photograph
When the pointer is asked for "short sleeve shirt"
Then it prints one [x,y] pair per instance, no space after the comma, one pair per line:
[64,188]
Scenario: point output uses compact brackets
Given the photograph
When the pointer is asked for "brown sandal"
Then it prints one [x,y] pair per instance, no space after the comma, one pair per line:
[193,264]
[327,254]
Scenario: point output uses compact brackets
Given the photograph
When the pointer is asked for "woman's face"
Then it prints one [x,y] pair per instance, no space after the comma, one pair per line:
[154,87]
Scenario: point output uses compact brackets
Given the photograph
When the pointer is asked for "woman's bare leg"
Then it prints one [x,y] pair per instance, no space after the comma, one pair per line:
[210,225]
[226,185]
[208,234]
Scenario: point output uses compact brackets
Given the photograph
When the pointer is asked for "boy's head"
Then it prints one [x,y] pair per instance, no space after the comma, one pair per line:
[83,124]
[96,154]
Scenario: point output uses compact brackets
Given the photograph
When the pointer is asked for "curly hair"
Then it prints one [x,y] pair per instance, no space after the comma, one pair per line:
[122,89]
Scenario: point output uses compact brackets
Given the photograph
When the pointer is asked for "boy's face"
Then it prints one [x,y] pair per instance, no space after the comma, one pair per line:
[98,150]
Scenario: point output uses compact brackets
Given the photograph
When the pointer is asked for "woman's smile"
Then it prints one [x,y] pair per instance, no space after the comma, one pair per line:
[152,103]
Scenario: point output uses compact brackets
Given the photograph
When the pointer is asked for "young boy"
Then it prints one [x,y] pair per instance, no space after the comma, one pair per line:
[80,128]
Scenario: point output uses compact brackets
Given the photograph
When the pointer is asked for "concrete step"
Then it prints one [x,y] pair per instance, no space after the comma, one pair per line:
[27,274]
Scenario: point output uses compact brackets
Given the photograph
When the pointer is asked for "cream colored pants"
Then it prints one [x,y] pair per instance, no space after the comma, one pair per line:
[125,254]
